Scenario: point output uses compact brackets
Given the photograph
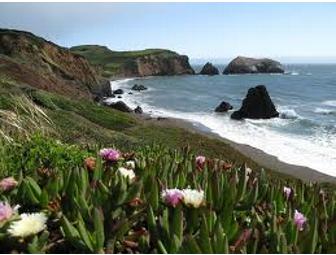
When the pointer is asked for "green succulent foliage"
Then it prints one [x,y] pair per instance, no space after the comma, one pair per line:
[100,211]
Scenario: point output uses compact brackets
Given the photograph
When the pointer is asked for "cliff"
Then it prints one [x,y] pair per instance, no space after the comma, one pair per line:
[148,62]
[33,61]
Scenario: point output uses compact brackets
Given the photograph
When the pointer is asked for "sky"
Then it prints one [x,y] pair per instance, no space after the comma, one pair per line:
[213,31]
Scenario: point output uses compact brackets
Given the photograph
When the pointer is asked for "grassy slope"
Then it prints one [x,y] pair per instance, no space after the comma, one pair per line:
[112,62]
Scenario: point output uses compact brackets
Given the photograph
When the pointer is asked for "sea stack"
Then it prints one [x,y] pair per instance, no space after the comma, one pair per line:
[209,69]
[256,105]
[243,65]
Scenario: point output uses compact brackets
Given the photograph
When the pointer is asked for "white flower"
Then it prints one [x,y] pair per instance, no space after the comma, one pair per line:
[29,224]
[130,164]
[192,197]
[126,173]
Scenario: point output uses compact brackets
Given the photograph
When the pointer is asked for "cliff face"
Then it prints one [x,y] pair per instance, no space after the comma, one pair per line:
[148,62]
[33,61]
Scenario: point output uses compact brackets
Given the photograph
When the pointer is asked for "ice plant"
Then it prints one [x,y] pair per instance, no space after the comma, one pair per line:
[299,220]
[109,154]
[127,173]
[6,211]
[29,224]
[193,198]
[130,164]
[172,197]
[8,183]
[200,161]
[287,192]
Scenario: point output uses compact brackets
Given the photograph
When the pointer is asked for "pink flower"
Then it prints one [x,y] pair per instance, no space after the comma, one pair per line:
[6,211]
[172,197]
[200,161]
[110,154]
[287,191]
[299,220]
[8,183]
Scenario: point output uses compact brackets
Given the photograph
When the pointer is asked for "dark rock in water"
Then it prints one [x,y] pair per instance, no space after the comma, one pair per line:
[118,92]
[138,110]
[138,87]
[120,106]
[256,105]
[209,69]
[223,107]
[119,96]
[130,93]
[241,65]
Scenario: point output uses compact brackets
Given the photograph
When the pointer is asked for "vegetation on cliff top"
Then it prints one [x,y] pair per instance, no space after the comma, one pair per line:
[117,63]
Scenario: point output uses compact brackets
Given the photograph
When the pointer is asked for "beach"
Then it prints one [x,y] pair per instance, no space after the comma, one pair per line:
[263,159]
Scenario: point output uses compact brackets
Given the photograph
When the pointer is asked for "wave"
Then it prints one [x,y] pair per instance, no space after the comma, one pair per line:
[289,114]
[325,111]
[292,73]
[330,103]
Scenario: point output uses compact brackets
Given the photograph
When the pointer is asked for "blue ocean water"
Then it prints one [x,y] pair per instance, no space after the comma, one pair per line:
[305,133]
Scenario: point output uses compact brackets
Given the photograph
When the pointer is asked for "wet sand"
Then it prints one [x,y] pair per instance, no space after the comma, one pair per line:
[268,161]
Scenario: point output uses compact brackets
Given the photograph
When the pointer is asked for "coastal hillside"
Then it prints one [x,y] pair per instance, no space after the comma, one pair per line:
[147,62]
[33,61]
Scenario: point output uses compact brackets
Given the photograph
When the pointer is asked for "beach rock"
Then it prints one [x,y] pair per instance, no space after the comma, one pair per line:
[209,69]
[241,65]
[138,110]
[223,107]
[138,87]
[119,96]
[120,106]
[118,92]
[256,105]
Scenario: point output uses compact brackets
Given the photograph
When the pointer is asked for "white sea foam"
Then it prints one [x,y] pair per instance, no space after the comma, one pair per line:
[317,151]
[288,114]
[330,103]
[324,111]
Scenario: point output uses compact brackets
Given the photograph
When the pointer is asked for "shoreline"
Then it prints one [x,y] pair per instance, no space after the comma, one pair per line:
[257,155]
[265,160]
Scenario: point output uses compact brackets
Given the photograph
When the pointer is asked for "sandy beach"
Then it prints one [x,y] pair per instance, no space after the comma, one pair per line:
[268,161]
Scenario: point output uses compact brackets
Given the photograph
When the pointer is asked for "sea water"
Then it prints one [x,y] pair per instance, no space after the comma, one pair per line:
[305,96]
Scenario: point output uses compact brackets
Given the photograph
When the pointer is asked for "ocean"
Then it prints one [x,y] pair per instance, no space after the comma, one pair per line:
[305,96]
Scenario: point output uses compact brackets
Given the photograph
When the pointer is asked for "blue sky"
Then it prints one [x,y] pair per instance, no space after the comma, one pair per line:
[200,30]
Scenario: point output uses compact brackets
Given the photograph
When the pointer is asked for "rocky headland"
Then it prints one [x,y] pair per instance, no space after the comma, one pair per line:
[149,62]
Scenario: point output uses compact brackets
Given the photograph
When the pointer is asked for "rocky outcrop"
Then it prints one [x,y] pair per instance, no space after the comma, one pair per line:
[120,106]
[138,110]
[173,64]
[149,62]
[33,61]
[209,69]
[138,87]
[256,105]
[118,92]
[223,107]
[241,65]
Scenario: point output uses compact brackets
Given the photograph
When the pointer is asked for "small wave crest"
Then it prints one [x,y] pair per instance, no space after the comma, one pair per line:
[330,103]
[325,111]
[290,114]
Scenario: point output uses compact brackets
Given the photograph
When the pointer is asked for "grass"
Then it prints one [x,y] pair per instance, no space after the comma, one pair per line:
[114,62]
